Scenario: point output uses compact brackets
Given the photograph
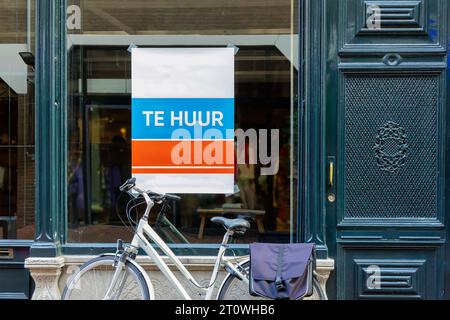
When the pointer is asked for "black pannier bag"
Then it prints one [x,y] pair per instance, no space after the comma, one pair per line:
[282,271]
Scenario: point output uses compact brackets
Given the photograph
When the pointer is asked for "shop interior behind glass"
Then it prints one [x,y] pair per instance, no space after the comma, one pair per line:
[99,111]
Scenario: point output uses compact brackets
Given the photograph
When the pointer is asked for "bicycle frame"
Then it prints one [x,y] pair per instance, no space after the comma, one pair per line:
[140,242]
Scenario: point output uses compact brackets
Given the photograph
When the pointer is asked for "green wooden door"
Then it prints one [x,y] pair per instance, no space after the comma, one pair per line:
[384,162]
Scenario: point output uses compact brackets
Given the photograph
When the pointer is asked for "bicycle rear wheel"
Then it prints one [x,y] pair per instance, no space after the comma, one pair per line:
[318,293]
[93,279]
[236,289]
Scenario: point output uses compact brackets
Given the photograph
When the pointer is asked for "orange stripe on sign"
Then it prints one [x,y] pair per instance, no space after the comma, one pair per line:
[181,170]
[168,153]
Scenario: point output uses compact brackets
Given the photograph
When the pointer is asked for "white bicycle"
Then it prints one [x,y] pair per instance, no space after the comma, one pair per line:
[119,277]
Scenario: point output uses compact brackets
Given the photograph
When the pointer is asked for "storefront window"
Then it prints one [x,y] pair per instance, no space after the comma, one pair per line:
[17,160]
[264,34]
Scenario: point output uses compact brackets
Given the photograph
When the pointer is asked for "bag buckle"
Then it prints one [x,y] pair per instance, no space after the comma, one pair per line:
[279,285]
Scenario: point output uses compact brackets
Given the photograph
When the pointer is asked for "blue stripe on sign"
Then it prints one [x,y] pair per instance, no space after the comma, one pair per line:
[160,118]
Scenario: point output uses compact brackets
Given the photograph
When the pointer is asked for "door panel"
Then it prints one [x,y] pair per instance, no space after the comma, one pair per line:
[388,140]
[381,26]
[391,147]
[394,272]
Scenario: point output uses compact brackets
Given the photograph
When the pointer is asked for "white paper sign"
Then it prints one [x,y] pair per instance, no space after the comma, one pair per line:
[183,119]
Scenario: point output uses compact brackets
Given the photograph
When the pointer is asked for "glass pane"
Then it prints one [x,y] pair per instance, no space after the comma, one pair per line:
[100,118]
[17,160]
[17,193]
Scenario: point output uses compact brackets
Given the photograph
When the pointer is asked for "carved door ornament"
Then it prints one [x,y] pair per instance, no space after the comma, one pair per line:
[391,147]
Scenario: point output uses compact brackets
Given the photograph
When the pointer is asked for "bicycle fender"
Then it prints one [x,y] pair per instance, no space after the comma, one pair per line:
[144,273]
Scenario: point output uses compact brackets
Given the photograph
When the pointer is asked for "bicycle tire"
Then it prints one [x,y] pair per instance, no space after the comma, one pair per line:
[234,287]
[83,286]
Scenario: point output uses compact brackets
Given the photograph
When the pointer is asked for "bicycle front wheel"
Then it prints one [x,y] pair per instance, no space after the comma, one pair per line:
[93,279]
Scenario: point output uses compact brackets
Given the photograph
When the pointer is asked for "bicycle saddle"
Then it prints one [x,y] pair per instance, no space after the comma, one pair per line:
[231,224]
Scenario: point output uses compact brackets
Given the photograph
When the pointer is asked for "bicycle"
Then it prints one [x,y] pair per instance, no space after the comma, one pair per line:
[119,277]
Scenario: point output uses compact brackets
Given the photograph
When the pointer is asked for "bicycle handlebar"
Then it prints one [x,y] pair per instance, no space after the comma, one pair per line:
[161,196]
[172,197]
[128,185]
[131,184]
